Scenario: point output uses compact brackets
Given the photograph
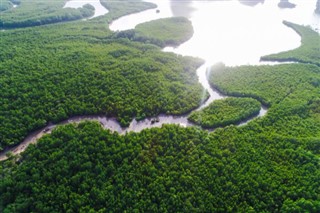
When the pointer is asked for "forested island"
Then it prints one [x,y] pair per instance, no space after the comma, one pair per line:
[164,32]
[54,71]
[224,112]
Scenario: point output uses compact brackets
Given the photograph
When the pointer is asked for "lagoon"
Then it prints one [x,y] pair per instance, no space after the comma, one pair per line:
[228,31]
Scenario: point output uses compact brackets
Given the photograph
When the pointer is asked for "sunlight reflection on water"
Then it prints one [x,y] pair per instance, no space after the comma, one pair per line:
[229,31]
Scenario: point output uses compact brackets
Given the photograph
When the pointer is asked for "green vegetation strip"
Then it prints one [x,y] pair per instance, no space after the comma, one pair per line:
[31,13]
[225,112]
[53,72]
[34,13]
[161,32]
[58,80]
[121,8]
[291,90]
[308,52]
[50,73]
[165,32]
[268,84]
[170,169]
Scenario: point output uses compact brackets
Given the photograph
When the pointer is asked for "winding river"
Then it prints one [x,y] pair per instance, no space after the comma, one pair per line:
[234,41]
[135,126]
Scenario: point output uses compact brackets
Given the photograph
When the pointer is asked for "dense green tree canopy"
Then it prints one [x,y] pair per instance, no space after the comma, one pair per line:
[225,112]
[52,72]
[165,32]
[267,83]
[50,81]
[33,13]
[170,169]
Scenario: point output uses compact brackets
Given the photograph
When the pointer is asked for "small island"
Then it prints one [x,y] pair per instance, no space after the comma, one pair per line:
[224,112]
[161,32]
[165,32]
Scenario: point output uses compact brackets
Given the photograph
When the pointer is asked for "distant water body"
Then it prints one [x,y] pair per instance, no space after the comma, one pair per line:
[231,32]
[224,31]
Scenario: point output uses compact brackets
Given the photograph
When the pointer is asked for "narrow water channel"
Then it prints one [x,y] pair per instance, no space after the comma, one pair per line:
[255,31]
[135,126]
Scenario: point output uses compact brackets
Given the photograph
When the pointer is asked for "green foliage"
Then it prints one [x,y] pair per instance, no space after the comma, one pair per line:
[225,112]
[123,7]
[268,84]
[97,27]
[296,115]
[52,72]
[301,205]
[164,32]
[292,91]
[48,78]
[33,13]
[308,52]
[169,169]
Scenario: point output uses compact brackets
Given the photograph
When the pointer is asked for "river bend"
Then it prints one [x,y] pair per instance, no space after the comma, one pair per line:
[135,126]
[280,38]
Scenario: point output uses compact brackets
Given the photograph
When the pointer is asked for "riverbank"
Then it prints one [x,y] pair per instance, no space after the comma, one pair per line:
[134,126]
[307,53]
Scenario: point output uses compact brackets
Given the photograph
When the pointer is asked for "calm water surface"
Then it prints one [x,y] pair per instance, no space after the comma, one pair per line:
[228,31]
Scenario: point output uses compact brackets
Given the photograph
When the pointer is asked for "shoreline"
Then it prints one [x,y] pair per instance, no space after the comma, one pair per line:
[113,125]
